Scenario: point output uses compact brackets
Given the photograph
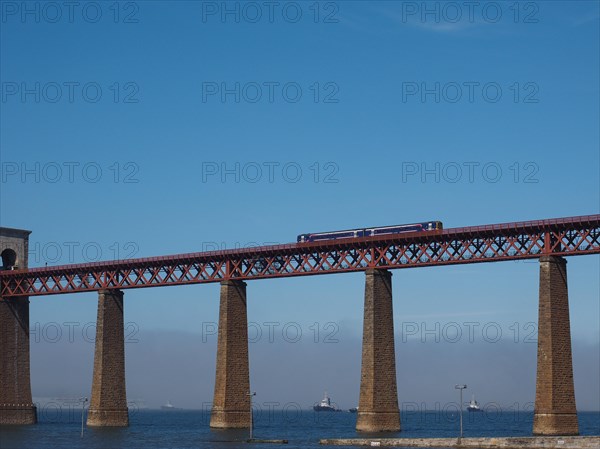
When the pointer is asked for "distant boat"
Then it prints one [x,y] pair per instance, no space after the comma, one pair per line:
[168,406]
[325,405]
[473,405]
[353,410]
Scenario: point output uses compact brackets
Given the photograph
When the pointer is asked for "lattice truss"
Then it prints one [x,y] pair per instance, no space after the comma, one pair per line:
[561,237]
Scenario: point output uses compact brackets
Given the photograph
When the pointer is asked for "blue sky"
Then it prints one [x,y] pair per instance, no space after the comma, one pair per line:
[360,133]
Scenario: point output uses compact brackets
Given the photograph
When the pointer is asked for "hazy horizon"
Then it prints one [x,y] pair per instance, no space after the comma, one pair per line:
[179,367]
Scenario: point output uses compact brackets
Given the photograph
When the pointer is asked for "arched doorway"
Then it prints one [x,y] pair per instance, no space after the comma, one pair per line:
[9,259]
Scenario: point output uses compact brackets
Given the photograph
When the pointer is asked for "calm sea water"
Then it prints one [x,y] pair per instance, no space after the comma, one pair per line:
[181,429]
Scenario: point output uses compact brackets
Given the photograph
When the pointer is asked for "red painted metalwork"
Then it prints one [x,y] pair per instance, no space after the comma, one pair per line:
[571,236]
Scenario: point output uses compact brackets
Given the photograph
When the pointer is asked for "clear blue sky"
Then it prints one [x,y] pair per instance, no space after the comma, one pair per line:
[362,146]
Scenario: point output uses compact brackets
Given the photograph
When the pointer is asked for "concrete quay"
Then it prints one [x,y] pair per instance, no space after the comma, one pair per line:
[569,442]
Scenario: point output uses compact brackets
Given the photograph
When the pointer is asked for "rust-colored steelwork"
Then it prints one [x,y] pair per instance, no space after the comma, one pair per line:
[572,236]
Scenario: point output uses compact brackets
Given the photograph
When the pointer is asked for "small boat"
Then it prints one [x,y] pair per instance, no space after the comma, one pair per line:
[168,406]
[325,405]
[473,405]
[353,410]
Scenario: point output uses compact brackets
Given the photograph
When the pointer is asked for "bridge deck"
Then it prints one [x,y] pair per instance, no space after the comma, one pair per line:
[569,236]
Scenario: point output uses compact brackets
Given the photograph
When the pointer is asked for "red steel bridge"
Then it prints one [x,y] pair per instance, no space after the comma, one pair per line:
[555,410]
[570,236]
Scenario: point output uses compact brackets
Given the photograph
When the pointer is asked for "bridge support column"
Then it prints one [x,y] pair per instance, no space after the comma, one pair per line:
[108,405]
[16,405]
[378,404]
[231,403]
[555,412]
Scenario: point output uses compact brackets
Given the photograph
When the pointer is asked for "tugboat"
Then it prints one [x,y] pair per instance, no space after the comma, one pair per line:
[167,406]
[473,405]
[325,405]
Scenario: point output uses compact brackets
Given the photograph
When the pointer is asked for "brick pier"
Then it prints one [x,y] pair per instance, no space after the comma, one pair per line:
[378,404]
[555,412]
[231,403]
[108,405]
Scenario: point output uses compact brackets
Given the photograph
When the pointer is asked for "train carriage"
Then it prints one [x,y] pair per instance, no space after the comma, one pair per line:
[369,232]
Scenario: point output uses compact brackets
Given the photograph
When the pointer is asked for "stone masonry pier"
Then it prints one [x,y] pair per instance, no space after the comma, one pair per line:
[108,406]
[16,404]
[555,412]
[378,402]
[231,402]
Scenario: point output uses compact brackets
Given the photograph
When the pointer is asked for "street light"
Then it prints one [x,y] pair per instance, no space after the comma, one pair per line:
[251,420]
[84,400]
[461,388]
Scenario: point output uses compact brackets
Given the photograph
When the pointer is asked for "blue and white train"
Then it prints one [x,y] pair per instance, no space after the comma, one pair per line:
[368,232]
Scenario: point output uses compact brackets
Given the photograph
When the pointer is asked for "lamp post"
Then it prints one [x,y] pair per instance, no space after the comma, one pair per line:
[83,400]
[251,419]
[461,388]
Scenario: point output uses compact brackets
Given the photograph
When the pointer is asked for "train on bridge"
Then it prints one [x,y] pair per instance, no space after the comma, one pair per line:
[370,232]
